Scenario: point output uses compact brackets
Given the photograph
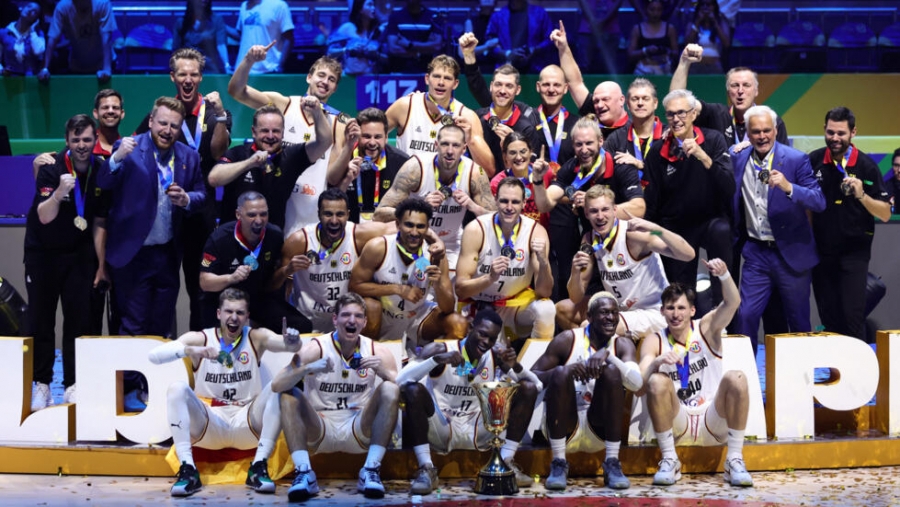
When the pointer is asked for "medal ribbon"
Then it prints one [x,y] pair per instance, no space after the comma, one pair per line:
[194,141]
[330,109]
[467,367]
[380,164]
[638,152]
[581,178]
[511,120]
[337,345]
[79,195]
[228,348]
[556,142]
[413,256]
[764,164]
[734,130]
[502,237]
[326,253]
[596,244]
[455,180]
[684,370]
[243,242]
[844,162]
[165,171]
[442,109]
[526,180]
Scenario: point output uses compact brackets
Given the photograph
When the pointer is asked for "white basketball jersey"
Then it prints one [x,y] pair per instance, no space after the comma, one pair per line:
[704,364]
[220,385]
[333,391]
[317,288]
[637,283]
[393,270]
[303,205]
[420,131]
[447,220]
[518,276]
[581,351]
[455,393]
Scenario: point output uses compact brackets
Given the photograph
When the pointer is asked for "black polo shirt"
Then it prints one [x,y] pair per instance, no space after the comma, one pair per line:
[622,179]
[275,181]
[61,235]
[845,225]
[222,255]
[680,192]
[520,121]
[622,140]
[587,107]
[717,117]
[566,151]
[394,160]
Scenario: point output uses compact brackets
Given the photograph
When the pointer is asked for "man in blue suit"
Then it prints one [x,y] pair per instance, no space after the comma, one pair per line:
[155,182]
[775,191]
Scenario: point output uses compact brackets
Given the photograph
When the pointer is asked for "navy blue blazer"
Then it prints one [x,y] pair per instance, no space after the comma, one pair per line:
[135,187]
[787,217]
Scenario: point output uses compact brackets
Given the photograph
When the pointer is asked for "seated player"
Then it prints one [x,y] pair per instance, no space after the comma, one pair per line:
[450,182]
[445,413]
[349,401]
[627,255]
[228,406]
[502,255]
[691,401]
[396,274]
[584,414]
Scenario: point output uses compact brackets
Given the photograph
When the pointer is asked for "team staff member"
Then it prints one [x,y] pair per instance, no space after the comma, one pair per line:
[854,197]
[629,145]
[205,129]
[775,190]
[109,111]
[690,188]
[742,86]
[564,198]
[64,236]
[366,181]
[268,165]
[246,254]
[607,102]
[322,81]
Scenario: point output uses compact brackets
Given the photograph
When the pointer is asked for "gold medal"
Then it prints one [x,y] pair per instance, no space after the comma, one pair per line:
[80,223]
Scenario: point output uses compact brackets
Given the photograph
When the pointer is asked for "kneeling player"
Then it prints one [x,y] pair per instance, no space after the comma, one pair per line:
[689,398]
[445,411]
[349,402]
[228,406]
[584,413]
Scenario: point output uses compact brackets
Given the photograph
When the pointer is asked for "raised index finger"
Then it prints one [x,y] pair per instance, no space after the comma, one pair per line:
[271,44]
[543,148]
[562,27]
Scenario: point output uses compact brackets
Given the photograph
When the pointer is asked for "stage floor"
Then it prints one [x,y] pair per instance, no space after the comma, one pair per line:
[870,487]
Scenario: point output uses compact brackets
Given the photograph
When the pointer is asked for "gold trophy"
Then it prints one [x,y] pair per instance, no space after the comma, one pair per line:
[496,478]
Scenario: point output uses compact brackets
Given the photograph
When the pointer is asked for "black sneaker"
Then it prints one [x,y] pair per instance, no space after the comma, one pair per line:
[258,478]
[187,482]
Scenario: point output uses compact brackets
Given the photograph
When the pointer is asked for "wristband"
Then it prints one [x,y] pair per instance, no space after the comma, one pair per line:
[222,119]
[725,276]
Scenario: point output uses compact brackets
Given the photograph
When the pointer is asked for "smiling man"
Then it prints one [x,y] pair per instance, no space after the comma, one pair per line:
[448,181]
[775,190]
[444,412]
[629,145]
[267,165]
[109,111]
[246,254]
[690,188]
[156,183]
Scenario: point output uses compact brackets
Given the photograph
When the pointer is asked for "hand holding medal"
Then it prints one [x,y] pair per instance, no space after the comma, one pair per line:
[583,257]
[177,195]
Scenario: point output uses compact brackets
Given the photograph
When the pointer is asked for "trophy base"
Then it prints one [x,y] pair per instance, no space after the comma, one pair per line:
[496,478]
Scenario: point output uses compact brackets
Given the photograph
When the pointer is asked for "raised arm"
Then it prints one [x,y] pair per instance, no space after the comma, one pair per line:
[712,324]
[647,237]
[577,89]
[246,94]
[692,53]
[580,276]
[477,85]
[316,148]
[467,282]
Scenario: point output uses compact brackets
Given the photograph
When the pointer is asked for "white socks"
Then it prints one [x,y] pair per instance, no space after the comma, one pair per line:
[735,444]
[423,455]
[301,460]
[509,449]
[376,454]
[667,444]
[558,447]
[612,449]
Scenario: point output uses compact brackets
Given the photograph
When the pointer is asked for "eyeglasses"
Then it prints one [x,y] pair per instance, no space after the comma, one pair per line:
[680,114]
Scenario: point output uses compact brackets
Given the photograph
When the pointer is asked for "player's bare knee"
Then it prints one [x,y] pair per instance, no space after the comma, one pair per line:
[734,381]
[659,384]
[455,326]
[527,391]
[388,393]
[611,376]
[414,393]
[290,401]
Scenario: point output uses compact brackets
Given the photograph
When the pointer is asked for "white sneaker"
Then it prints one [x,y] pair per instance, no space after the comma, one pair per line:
[69,396]
[40,396]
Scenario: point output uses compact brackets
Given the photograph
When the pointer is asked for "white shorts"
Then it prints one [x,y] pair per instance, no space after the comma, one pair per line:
[699,426]
[644,321]
[341,432]
[583,439]
[408,328]
[228,426]
[457,433]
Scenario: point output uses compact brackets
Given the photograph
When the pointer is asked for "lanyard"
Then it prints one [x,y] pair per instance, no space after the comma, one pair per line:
[442,109]
[526,180]
[327,253]
[684,370]
[330,109]
[354,359]
[466,368]
[79,194]
[597,244]
[504,241]
[765,164]
[166,171]
[455,180]
[224,356]
[421,262]
[556,142]
[510,120]
[243,242]
[581,178]
[378,165]
[638,153]
[842,164]
[194,141]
